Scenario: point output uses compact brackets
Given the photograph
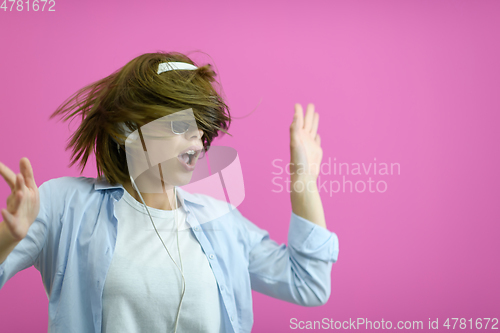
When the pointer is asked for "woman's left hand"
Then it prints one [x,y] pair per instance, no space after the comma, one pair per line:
[305,144]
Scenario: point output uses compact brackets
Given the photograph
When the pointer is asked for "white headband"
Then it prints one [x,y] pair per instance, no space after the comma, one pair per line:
[168,66]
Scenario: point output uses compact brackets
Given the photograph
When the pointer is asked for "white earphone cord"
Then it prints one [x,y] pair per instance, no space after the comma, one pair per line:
[180,269]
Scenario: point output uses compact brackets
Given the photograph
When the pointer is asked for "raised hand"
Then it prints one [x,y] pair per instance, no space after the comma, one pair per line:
[305,143]
[23,204]
[305,158]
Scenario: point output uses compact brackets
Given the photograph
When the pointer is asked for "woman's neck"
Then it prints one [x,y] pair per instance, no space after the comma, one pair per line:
[163,201]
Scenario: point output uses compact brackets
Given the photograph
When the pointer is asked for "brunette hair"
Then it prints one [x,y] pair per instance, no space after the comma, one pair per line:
[135,95]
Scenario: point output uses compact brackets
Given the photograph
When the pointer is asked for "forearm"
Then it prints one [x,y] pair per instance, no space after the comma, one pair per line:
[7,243]
[306,201]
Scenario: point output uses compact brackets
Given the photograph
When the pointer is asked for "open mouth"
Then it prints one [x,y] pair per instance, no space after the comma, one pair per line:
[189,157]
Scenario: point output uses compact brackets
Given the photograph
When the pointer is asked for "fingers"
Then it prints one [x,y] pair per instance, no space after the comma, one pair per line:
[318,139]
[315,124]
[298,117]
[27,172]
[308,120]
[19,182]
[309,123]
[18,198]
[8,175]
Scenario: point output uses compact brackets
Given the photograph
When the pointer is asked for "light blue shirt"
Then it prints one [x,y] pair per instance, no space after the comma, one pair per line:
[73,238]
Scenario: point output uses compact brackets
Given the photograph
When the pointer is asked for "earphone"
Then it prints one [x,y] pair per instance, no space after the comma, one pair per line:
[180,269]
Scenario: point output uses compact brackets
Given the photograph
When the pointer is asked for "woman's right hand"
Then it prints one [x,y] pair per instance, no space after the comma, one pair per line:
[23,204]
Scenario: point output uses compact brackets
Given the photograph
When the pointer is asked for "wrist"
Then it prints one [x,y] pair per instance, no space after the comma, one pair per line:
[6,236]
[303,184]
[7,242]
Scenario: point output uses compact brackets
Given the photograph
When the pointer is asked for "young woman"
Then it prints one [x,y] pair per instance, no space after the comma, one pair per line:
[110,251]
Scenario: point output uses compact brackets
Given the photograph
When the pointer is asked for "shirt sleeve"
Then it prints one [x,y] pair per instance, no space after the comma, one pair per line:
[27,251]
[299,273]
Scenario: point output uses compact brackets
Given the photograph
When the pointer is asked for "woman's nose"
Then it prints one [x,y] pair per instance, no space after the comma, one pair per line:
[194,133]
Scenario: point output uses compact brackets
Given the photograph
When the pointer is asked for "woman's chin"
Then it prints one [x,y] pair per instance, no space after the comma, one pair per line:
[179,179]
[173,174]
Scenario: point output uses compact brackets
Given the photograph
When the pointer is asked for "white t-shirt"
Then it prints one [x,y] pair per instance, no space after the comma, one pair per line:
[143,286]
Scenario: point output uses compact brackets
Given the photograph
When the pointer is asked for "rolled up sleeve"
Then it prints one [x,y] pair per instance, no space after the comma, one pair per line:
[311,240]
[299,273]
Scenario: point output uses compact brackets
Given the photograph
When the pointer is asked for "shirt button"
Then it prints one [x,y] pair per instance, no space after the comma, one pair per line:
[232,318]
[195,228]
[212,256]
[221,288]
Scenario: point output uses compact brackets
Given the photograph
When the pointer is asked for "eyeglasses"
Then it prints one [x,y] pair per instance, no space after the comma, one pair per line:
[180,127]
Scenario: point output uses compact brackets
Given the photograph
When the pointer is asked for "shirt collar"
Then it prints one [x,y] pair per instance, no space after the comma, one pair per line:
[102,184]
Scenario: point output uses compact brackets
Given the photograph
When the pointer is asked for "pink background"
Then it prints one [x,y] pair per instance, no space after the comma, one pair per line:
[408,82]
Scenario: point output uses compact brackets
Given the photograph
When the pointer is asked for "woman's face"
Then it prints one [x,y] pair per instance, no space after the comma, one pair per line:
[167,153]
